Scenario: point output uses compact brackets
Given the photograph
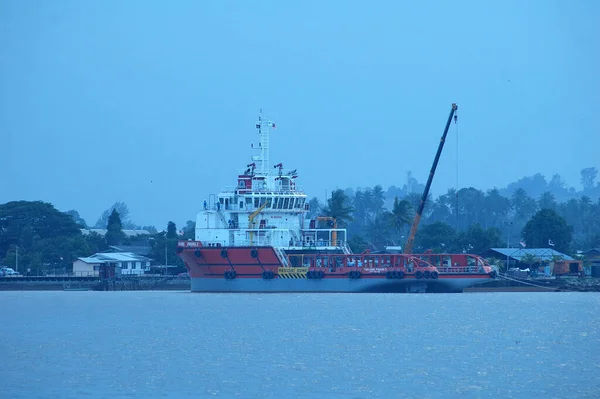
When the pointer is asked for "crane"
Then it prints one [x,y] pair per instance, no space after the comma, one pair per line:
[251,217]
[417,219]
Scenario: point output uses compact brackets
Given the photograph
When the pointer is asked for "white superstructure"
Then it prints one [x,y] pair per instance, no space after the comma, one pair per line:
[266,208]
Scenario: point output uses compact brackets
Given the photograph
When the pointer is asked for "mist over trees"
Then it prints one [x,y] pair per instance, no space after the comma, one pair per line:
[533,209]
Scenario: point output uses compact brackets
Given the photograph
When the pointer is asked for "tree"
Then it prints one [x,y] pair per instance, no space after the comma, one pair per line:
[114,229]
[378,230]
[377,201]
[314,208]
[123,211]
[588,177]
[339,208]
[547,201]
[438,237]
[189,231]
[401,216]
[78,219]
[545,226]
[24,222]
[357,244]
[171,230]
[477,240]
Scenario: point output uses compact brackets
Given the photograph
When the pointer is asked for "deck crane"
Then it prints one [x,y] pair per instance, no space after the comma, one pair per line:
[415,225]
[251,223]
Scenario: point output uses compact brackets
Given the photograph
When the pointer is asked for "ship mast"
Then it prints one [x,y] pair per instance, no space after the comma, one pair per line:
[263,126]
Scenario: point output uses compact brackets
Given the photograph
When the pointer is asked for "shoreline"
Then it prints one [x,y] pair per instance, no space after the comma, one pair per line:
[577,284]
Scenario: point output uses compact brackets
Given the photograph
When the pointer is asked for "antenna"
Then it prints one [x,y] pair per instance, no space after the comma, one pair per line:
[263,127]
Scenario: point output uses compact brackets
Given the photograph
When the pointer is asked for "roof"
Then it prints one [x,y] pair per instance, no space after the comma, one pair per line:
[103,257]
[541,253]
[142,250]
[128,233]
[592,251]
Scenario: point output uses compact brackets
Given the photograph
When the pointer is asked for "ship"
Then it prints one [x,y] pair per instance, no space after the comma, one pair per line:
[261,236]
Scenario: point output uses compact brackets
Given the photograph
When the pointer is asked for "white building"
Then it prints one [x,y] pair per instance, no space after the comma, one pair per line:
[127,262]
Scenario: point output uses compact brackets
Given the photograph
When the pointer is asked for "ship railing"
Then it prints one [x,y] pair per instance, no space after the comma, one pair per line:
[365,260]
[338,244]
[460,269]
[250,208]
[274,191]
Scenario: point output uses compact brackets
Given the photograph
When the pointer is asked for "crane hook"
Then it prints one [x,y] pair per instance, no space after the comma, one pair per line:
[455,118]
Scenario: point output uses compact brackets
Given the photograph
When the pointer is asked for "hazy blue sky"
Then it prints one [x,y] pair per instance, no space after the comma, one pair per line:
[154,103]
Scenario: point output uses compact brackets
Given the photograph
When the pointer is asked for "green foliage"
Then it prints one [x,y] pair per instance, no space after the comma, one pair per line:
[339,207]
[437,237]
[24,222]
[114,229]
[171,230]
[477,240]
[45,238]
[357,244]
[189,231]
[548,225]
[160,244]
[123,211]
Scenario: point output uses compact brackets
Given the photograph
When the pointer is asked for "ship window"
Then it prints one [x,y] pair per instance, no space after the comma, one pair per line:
[286,203]
[275,201]
[256,202]
[248,201]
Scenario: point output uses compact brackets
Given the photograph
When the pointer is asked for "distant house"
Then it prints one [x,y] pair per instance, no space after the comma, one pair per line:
[125,263]
[552,261]
[128,233]
[517,254]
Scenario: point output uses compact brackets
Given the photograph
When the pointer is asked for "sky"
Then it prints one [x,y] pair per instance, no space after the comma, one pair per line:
[154,103]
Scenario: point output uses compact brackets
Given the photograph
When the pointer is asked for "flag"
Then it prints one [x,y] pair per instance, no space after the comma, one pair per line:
[522,243]
[550,243]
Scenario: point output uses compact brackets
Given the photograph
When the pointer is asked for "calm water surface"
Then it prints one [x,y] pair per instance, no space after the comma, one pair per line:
[174,344]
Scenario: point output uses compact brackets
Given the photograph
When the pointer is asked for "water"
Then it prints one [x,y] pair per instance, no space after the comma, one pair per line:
[173,344]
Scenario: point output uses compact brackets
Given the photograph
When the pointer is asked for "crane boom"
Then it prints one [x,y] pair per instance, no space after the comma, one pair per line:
[417,219]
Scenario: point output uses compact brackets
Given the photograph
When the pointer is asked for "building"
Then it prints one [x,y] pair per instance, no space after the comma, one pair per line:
[124,263]
[142,250]
[592,256]
[548,260]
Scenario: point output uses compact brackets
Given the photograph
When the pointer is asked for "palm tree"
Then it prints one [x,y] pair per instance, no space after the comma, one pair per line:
[378,201]
[378,231]
[339,208]
[314,208]
[401,215]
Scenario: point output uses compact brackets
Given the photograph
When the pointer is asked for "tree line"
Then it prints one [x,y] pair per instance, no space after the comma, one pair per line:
[465,220]
[471,220]
[35,236]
